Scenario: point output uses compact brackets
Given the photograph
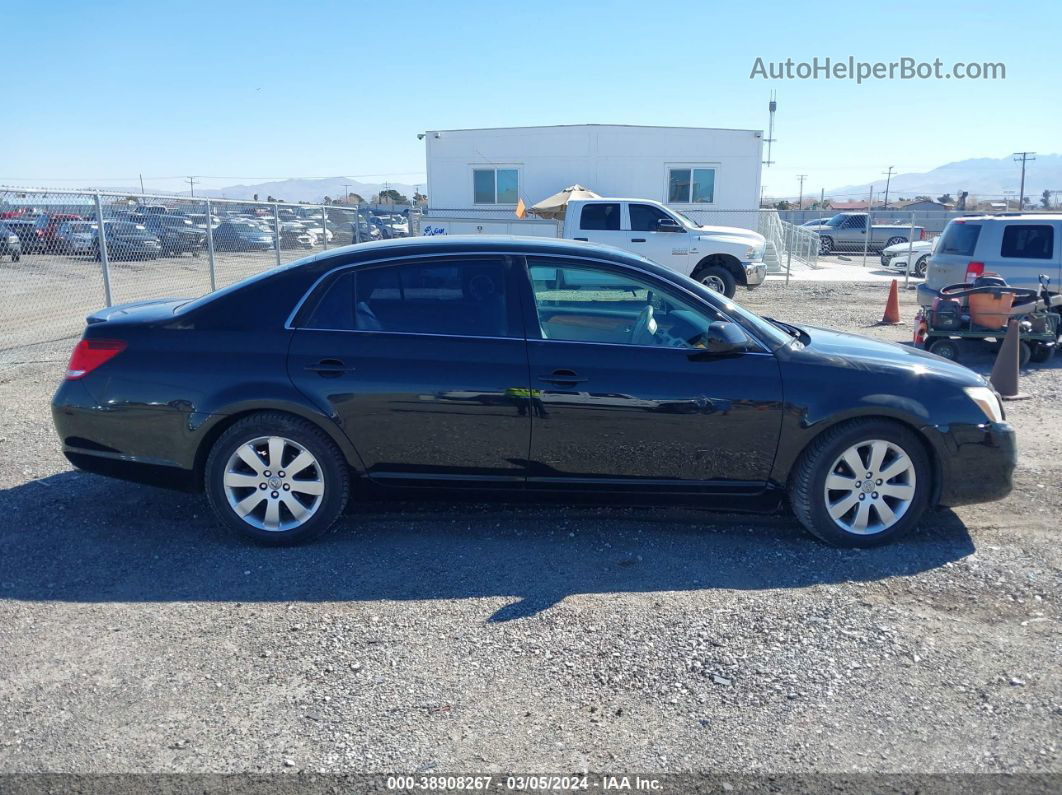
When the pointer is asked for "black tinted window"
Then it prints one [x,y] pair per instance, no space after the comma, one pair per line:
[600,216]
[960,239]
[1027,241]
[644,217]
[463,299]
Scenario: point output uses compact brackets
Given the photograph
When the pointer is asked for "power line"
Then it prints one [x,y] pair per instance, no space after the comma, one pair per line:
[1024,156]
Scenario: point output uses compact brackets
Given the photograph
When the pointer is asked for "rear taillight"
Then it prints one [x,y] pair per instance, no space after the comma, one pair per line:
[90,354]
[974,270]
[921,234]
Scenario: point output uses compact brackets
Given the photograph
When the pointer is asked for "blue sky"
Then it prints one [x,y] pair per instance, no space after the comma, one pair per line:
[237,92]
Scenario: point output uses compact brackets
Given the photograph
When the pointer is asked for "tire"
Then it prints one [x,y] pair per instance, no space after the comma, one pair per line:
[1042,353]
[1024,353]
[944,348]
[16,257]
[894,241]
[319,489]
[825,458]
[718,279]
[920,266]
[825,246]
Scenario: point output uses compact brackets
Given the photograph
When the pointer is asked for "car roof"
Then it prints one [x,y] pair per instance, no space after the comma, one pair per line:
[1011,217]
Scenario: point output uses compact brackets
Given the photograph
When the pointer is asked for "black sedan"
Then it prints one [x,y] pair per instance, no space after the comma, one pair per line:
[127,240]
[521,365]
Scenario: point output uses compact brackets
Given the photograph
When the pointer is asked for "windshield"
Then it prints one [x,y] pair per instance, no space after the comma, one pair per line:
[837,220]
[684,218]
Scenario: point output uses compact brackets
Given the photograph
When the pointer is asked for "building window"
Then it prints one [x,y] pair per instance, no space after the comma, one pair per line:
[691,185]
[494,185]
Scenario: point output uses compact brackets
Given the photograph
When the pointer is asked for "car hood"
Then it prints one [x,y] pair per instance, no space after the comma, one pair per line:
[859,352]
[731,234]
[900,249]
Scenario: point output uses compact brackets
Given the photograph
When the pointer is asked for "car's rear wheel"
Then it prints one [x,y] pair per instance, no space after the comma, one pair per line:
[945,348]
[276,479]
[862,483]
[825,245]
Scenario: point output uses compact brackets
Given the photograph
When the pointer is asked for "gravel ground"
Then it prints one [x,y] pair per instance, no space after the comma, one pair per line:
[440,636]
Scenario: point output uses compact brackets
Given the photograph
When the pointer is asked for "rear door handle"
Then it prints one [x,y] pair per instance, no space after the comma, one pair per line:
[563,377]
[637,239]
[329,368]
[580,238]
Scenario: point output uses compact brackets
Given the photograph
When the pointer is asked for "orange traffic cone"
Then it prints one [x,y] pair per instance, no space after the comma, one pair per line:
[1005,371]
[892,307]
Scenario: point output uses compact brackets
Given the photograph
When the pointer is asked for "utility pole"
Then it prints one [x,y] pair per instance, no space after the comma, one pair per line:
[346,192]
[191,185]
[800,201]
[1021,193]
[772,107]
[141,184]
[888,179]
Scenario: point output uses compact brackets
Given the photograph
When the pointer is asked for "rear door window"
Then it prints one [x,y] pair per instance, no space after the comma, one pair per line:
[1028,241]
[600,216]
[959,239]
[468,298]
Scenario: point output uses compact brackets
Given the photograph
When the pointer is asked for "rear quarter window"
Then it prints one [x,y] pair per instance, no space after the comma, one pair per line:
[1028,241]
[959,239]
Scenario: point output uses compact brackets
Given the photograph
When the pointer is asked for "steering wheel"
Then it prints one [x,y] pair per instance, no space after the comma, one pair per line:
[644,330]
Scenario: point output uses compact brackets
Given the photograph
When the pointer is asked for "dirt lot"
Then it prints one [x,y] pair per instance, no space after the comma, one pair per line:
[434,636]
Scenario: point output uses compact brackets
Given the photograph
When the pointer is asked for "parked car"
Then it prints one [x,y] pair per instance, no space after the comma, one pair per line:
[127,240]
[896,256]
[10,245]
[26,231]
[1017,247]
[469,362]
[848,232]
[294,235]
[177,235]
[720,257]
[199,220]
[242,236]
[76,237]
[46,230]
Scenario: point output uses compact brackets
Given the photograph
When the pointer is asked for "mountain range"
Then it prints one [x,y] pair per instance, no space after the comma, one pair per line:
[308,190]
[982,177]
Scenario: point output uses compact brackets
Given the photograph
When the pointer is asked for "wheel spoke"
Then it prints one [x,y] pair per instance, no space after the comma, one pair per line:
[248,455]
[839,483]
[272,515]
[901,464]
[843,506]
[237,481]
[249,503]
[276,452]
[885,513]
[314,487]
[299,463]
[862,517]
[855,463]
[877,455]
[297,508]
[900,491]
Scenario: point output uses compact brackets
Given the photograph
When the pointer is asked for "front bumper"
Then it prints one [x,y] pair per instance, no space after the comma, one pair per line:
[755,273]
[976,461]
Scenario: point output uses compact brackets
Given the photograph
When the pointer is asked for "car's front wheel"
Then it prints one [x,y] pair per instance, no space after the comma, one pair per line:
[862,483]
[276,479]
[718,279]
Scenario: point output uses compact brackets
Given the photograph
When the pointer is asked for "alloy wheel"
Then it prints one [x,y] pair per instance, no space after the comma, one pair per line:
[273,483]
[870,487]
[714,283]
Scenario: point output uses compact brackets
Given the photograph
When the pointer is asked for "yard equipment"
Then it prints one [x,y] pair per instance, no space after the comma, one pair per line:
[981,311]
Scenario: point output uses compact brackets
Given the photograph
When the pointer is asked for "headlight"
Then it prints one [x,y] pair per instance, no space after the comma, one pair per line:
[753,252]
[986,399]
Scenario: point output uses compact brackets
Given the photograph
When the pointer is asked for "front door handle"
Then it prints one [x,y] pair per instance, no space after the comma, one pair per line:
[563,377]
[581,238]
[329,368]
[637,239]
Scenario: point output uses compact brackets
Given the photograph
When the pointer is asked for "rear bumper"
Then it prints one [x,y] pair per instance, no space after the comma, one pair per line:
[755,273]
[976,461]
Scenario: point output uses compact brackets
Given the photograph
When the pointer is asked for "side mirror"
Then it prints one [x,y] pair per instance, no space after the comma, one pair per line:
[725,337]
[668,225]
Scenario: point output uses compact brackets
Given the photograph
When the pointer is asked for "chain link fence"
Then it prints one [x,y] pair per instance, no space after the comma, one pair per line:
[64,254]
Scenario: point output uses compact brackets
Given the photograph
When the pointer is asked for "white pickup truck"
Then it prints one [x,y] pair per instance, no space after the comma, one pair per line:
[720,257]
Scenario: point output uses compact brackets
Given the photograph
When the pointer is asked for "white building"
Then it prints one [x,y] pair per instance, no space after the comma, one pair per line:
[689,168]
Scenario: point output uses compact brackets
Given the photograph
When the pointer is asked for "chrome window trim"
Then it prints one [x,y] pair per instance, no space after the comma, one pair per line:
[395,258]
